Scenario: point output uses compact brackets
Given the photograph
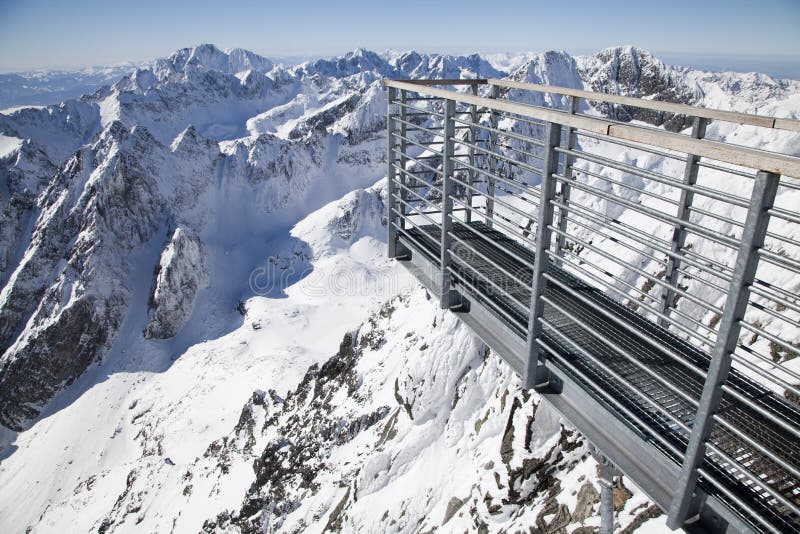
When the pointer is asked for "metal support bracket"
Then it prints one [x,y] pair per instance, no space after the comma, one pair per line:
[569,160]
[679,232]
[686,502]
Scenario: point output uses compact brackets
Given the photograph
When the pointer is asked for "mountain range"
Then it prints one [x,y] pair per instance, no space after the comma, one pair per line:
[200,331]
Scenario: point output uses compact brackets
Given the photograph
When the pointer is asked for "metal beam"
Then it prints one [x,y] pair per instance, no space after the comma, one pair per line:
[686,502]
[473,134]
[561,240]
[445,298]
[536,373]
[491,160]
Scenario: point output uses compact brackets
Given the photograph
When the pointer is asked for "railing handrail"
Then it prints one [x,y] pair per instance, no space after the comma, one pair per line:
[751,119]
[752,158]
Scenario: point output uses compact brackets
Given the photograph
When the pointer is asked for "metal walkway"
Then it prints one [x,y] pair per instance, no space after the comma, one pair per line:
[695,420]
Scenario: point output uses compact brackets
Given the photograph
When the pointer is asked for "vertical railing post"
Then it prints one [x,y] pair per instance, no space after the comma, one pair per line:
[446,296]
[685,502]
[391,213]
[679,232]
[536,373]
[492,166]
[561,239]
[473,135]
[403,157]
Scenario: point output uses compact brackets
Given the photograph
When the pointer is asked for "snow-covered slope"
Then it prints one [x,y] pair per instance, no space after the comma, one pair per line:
[199,328]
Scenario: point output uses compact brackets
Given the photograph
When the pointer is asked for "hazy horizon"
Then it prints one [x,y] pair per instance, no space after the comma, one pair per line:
[42,34]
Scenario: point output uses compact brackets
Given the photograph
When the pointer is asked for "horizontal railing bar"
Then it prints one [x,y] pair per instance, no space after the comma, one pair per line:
[766,413]
[490,261]
[510,161]
[784,262]
[520,151]
[612,224]
[623,295]
[505,133]
[763,484]
[716,150]
[421,111]
[706,213]
[578,209]
[632,359]
[424,147]
[756,445]
[700,302]
[766,335]
[496,199]
[510,181]
[618,405]
[655,214]
[614,374]
[415,177]
[724,169]
[768,361]
[658,105]
[416,213]
[632,329]
[635,146]
[656,177]
[420,197]
[506,227]
[773,313]
[448,81]
[578,170]
[417,161]
[782,239]
[613,239]
[778,299]
[786,215]
[739,502]
[417,127]
[503,248]
[769,376]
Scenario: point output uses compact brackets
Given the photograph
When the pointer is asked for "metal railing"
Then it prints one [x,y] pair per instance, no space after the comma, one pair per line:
[699,240]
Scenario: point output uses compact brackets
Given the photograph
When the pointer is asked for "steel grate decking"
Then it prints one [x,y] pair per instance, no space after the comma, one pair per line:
[508,295]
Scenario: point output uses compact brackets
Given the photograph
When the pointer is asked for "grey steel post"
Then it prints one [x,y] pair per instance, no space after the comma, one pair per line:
[492,164]
[447,203]
[473,134]
[536,373]
[403,157]
[607,472]
[390,176]
[679,232]
[685,502]
[561,239]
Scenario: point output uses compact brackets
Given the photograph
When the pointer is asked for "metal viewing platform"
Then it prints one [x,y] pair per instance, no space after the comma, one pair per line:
[644,282]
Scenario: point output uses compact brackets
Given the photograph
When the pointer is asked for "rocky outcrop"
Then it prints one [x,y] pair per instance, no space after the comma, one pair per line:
[181,272]
[631,71]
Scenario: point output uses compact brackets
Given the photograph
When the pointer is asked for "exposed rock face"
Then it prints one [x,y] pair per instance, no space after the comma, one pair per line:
[180,274]
[630,71]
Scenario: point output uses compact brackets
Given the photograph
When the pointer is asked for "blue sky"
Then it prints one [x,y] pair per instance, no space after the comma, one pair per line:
[51,33]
